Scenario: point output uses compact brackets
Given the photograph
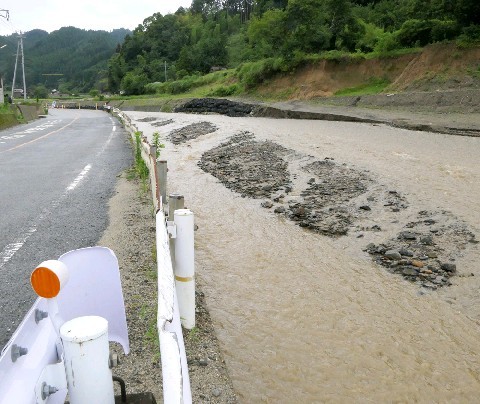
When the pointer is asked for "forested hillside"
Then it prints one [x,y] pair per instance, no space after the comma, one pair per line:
[263,37]
[71,59]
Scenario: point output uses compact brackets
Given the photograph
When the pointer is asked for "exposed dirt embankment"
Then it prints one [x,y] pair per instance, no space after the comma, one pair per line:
[437,67]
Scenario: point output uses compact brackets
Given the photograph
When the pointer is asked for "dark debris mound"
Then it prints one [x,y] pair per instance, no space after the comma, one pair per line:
[147,119]
[162,123]
[426,249]
[217,106]
[190,132]
[251,168]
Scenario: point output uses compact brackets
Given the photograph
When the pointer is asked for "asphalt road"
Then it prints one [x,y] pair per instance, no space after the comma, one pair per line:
[56,177]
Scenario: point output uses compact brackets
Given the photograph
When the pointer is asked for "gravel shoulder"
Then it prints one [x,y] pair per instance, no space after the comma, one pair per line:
[131,235]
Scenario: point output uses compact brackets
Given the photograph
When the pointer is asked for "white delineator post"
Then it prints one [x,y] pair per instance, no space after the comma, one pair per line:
[185,266]
[85,343]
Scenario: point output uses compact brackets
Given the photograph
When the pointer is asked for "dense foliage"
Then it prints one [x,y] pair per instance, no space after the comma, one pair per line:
[71,60]
[260,37]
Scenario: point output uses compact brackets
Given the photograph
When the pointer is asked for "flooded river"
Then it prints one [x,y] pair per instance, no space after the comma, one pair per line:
[302,317]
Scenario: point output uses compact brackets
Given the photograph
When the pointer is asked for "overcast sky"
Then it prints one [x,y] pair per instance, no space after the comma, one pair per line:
[51,15]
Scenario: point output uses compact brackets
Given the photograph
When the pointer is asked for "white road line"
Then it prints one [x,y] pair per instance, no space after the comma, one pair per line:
[11,249]
[79,178]
[107,142]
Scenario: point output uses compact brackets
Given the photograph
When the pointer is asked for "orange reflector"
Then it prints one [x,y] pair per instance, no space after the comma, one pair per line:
[45,282]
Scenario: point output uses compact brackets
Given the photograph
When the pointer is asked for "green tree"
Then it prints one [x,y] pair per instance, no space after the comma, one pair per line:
[467,12]
[134,83]
[262,6]
[345,29]
[40,91]
[265,33]
[306,24]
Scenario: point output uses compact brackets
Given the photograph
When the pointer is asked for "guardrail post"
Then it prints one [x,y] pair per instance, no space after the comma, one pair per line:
[185,266]
[153,151]
[162,179]
[175,202]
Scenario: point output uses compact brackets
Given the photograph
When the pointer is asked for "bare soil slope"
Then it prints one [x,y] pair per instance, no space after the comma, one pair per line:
[436,67]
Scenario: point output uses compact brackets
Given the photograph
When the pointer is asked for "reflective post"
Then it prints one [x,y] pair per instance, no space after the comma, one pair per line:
[185,266]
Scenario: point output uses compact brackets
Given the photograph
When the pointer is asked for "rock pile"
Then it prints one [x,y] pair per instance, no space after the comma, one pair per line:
[147,119]
[190,132]
[251,168]
[217,106]
[425,250]
[327,203]
[162,123]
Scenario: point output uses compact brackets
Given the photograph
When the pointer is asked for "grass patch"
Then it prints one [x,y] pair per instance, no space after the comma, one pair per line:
[374,86]
[151,339]
[141,168]
[193,335]
[217,83]
[158,144]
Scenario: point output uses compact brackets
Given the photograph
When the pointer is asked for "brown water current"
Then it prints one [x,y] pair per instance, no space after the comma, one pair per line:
[302,317]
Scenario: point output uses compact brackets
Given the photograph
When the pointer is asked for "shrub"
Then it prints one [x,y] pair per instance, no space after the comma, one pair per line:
[470,36]
[225,91]
[254,73]
[444,30]
[387,42]
[415,33]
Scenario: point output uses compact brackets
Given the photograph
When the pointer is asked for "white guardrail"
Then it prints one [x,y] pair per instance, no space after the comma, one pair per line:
[176,381]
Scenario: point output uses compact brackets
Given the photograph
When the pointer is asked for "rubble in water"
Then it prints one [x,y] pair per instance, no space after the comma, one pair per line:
[332,198]
[190,132]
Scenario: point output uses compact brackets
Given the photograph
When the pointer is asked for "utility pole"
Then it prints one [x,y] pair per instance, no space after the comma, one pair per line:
[4,14]
[15,72]
[19,49]
[165,71]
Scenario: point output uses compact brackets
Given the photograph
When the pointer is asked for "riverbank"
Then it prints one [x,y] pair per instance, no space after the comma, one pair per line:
[454,112]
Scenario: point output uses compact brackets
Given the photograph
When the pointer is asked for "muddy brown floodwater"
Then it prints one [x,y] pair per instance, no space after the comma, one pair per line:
[307,303]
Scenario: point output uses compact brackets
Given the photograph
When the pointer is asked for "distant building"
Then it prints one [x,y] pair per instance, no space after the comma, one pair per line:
[214,69]
[18,92]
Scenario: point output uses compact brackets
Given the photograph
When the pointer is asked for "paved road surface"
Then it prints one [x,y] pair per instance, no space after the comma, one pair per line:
[56,177]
